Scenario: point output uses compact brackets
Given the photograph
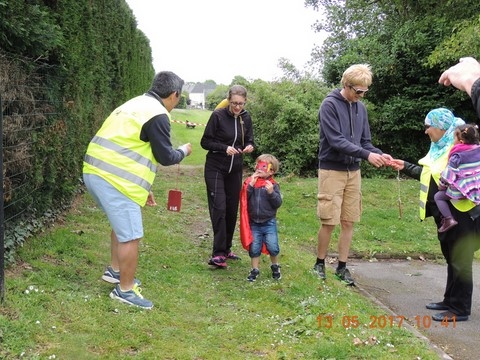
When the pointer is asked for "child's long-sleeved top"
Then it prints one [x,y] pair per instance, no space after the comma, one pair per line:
[462,174]
[263,206]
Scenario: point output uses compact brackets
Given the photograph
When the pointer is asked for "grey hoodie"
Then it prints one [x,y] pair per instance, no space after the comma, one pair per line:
[345,136]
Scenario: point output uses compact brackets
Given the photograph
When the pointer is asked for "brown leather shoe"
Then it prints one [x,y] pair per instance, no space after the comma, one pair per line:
[447,224]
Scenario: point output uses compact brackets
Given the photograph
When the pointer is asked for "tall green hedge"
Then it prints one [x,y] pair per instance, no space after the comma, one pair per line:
[83,58]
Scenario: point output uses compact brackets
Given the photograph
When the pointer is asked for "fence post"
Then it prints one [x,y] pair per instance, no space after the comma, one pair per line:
[2,214]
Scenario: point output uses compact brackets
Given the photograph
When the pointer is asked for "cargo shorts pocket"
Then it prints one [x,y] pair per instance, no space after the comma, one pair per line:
[325,209]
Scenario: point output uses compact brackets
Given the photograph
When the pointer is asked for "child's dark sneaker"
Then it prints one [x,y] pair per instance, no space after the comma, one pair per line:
[218,261]
[253,275]
[276,275]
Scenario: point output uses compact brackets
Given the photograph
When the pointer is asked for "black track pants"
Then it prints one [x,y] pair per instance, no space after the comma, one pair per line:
[223,192]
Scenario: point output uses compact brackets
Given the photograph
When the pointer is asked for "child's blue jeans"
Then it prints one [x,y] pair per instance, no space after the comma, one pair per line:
[264,233]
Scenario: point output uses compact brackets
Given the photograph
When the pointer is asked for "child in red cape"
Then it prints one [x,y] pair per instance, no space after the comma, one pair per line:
[260,198]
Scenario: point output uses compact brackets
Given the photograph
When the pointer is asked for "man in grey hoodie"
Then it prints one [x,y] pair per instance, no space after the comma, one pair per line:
[345,140]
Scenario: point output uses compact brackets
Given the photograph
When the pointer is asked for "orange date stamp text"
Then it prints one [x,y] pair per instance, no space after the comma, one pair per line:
[380,321]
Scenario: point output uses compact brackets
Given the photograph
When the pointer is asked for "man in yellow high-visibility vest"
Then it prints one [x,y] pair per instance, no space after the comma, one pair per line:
[119,168]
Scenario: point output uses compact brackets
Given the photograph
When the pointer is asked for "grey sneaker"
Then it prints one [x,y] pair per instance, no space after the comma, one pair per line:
[131,297]
[113,277]
[253,275]
[276,275]
[344,275]
[320,270]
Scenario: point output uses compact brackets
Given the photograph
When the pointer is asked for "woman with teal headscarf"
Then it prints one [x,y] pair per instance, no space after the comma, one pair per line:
[444,120]
[460,242]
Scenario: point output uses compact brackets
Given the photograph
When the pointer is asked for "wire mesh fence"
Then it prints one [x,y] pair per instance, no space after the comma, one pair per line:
[25,118]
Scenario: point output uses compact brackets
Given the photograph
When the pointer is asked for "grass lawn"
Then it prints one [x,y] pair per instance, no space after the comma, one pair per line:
[56,305]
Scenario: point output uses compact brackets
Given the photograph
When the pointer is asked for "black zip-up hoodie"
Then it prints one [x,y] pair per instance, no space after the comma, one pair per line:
[345,136]
[224,130]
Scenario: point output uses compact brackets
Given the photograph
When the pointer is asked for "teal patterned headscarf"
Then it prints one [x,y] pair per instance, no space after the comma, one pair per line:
[442,119]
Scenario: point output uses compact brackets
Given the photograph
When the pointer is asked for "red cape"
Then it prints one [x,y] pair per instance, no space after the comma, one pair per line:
[246,236]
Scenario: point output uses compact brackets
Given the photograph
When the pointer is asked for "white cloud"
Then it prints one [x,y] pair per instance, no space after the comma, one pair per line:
[219,39]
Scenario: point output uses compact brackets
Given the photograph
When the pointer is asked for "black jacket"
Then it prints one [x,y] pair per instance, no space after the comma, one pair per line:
[224,130]
[263,206]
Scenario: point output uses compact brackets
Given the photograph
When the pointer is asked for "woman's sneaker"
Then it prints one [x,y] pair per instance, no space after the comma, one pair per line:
[218,261]
[131,297]
[276,275]
[253,275]
[113,277]
[232,256]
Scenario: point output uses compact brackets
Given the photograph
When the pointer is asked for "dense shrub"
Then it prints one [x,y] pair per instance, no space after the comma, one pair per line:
[285,116]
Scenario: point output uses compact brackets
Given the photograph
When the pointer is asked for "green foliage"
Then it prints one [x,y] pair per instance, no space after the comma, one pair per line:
[464,41]
[408,43]
[28,28]
[182,104]
[217,95]
[285,117]
[106,56]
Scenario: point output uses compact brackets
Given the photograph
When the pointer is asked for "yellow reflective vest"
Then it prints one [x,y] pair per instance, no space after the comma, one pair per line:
[117,154]
[222,104]
[433,169]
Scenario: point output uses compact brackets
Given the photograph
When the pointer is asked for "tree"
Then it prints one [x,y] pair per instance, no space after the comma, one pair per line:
[400,40]
[285,121]
[217,95]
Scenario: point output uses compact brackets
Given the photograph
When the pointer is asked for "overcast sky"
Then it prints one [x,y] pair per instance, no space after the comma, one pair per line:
[219,39]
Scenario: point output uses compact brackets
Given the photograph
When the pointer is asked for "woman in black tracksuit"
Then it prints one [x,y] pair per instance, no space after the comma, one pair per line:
[228,135]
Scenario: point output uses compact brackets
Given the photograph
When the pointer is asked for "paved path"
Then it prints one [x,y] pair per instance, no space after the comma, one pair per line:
[404,287]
